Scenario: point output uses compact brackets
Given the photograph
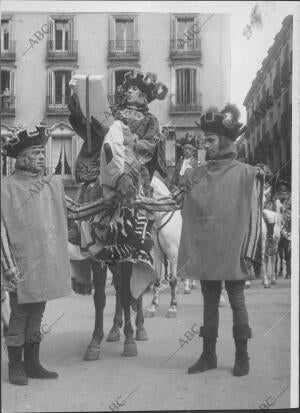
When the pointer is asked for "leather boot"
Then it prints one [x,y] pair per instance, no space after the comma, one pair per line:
[208,358]
[241,364]
[16,373]
[32,364]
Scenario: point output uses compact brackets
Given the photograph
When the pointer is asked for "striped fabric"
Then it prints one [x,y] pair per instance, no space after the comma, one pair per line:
[253,250]
[82,211]
[7,259]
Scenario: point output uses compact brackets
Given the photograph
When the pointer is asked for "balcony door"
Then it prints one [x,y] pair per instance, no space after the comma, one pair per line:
[124,35]
[184,40]
[59,89]
[5,34]
[7,89]
[186,87]
[61,35]
[61,157]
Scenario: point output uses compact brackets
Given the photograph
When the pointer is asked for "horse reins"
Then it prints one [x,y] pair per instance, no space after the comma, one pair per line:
[162,226]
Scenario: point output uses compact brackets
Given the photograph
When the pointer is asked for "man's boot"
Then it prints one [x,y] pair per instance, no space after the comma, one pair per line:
[241,335]
[16,373]
[208,358]
[32,364]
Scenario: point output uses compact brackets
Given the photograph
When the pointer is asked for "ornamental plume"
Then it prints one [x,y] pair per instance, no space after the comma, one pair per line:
[233,110]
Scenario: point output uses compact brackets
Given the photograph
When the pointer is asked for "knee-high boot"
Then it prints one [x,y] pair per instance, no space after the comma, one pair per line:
[16,373]
[32,364]
[208,358]
[241,335]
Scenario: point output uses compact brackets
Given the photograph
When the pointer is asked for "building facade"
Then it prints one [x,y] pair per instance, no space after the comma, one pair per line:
[269,106]
[40,53]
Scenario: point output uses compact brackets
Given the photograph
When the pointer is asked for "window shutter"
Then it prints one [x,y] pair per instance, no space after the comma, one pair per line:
[51,33]
[50,88]
[12,83]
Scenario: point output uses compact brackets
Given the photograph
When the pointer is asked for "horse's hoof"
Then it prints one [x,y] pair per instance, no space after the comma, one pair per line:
[130,349]
[273,282]
[171,313]
[247,284]
[114,335]
[267,285]
[187,291]
[149,313]
[92,353]
[141,334]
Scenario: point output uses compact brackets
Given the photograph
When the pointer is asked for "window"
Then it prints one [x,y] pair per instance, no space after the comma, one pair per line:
[124,35]
[186,86]
[7,90]
[59,89]
[5,35]
[62,157]
[61,34]
[183,26]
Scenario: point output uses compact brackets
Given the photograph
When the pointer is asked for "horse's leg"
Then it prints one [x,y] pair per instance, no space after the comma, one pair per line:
[187,286]
[124,275]
[141,334]
[280,253]
[99,280]
[150,312]
[114,334]
[287,249]
[272,266]
[172,311]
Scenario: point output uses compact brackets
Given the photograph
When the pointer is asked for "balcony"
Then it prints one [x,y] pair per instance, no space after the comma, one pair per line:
[285,73]
[8,51]
[124,49]
[276,135]
[57,105]
[286,122]
[8,104]
[276,87]
[69,53]
[185,104]
[185,49]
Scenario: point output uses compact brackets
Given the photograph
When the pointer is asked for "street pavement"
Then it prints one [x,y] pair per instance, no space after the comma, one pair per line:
[157,378]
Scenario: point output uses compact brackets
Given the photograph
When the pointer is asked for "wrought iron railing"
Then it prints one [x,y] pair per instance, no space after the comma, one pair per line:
[123,48]
[185,47]
[8,50]
[186,103]
[8,103]
[58,103]
[69,50]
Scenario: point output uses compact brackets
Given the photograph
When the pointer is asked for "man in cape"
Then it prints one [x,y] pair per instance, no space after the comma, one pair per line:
[220,232]
[35,263]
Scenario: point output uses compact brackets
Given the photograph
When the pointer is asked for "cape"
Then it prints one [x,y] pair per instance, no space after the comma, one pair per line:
[221,221]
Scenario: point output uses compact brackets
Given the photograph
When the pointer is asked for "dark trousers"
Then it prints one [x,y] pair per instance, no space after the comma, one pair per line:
[24,322]
[211,291]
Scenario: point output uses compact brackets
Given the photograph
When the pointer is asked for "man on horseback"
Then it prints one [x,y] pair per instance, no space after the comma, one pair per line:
[221,227]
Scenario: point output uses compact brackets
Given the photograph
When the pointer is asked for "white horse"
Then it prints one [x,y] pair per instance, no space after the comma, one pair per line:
[271,231]
[5,310]
[166,235]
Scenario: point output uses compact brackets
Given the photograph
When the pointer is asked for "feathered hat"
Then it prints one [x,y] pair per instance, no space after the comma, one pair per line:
[146,83]
[24,139]
[223,123]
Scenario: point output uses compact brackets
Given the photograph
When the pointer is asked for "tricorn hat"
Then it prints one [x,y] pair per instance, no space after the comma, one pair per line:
[223,123]
[24,139]
[146,83]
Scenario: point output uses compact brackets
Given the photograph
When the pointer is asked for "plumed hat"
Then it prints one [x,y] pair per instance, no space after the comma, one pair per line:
[223,123]
[146,83]
[24,139]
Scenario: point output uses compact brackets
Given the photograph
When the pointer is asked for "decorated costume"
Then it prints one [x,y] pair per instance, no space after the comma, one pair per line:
[131,150]
[220,231]
[34,252]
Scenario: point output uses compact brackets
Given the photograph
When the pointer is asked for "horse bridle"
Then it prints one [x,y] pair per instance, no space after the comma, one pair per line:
[162,226]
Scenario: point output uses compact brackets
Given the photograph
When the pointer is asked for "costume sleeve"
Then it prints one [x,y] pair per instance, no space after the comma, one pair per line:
[253,250]
[8,261]
[77,211]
